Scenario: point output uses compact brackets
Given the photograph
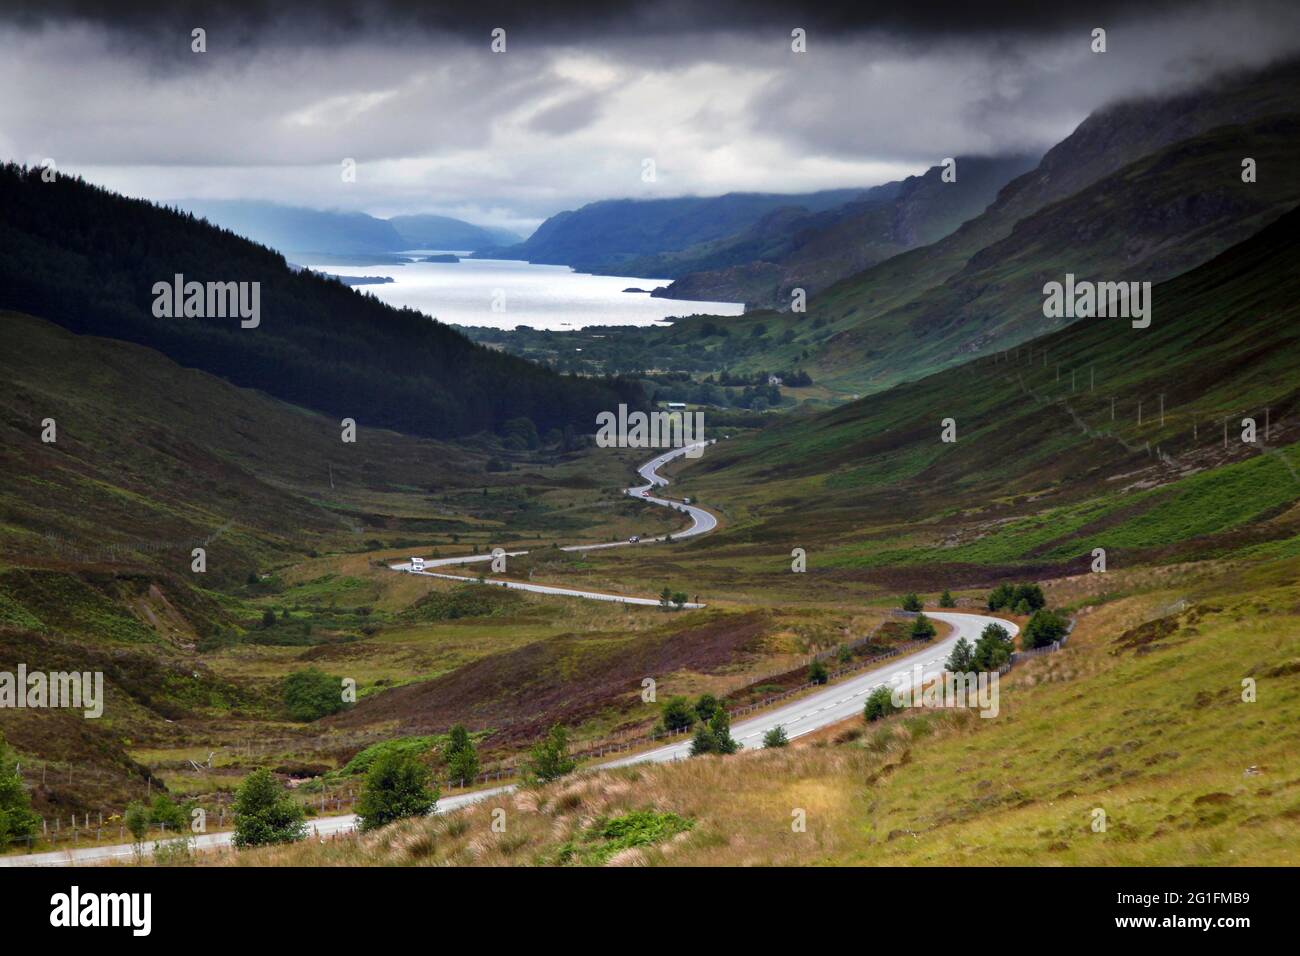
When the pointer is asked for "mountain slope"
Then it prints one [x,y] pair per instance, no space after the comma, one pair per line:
[1105,143]
[815,250]
[89,260]
[443,232]
[604,236]
[1040,474]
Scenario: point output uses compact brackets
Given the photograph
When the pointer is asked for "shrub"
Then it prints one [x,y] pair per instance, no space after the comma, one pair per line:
[817,672]
[912,603]
[311,694]
[396,787]
[265,813]
[843,654]
[776,737]
[947,600]
[550,759]
[880,704]
[922,628]
[268,618]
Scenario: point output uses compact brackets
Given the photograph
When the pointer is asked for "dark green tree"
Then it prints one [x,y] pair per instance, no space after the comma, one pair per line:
[397,786]
[1044,627]
[706,706]
[912,603]
[947,600]
[461,756]
[17,820]
[817,672]
[776,737]
[962,658]
[265,813]
[922,628]
[677,715]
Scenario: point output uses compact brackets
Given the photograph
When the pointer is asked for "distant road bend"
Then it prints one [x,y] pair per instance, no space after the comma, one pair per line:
[702,522]
[829,705]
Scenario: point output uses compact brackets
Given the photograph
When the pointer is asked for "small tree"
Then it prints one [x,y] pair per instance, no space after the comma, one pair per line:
[703,742]
[677,715]
[136,821]
[817,672]
[962,658]
[993,649]
[666,597]
[311,694]
[461,756]
[17,820]
[268,618]
[922,628]
[880,704]
[776,737]
[946,599]
[720,725]
[680,599]
[397,787]
[550,759]
[912,603]
[706,706]
[1000,597]
[843,654]
[265,813]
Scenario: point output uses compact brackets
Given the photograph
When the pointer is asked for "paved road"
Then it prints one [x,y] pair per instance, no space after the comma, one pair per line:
[816,710]
[702,522]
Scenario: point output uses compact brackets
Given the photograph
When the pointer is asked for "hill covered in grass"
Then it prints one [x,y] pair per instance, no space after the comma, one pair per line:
[89,260]
[1040,473]
[1141,716]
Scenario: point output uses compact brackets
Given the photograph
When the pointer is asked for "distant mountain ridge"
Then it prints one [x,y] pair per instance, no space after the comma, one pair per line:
[811,251]
[605,236]
[294,230]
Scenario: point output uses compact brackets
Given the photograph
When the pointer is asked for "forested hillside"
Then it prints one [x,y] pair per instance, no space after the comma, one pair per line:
[88,259]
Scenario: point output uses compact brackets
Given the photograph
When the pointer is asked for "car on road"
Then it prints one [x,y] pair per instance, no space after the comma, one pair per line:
[634,539]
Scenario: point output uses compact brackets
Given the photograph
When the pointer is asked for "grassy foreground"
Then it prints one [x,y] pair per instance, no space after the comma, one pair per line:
[1141,717]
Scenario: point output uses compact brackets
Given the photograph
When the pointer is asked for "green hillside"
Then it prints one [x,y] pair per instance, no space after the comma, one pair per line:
[1040,474]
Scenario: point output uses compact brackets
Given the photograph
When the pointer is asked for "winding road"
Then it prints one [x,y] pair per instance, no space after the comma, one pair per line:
[818,709]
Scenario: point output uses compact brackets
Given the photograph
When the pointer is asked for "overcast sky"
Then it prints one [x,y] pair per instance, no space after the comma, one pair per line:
[436,122]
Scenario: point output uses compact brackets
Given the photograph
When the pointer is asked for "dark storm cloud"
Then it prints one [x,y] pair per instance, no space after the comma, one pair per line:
[342,19]
[713,94]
